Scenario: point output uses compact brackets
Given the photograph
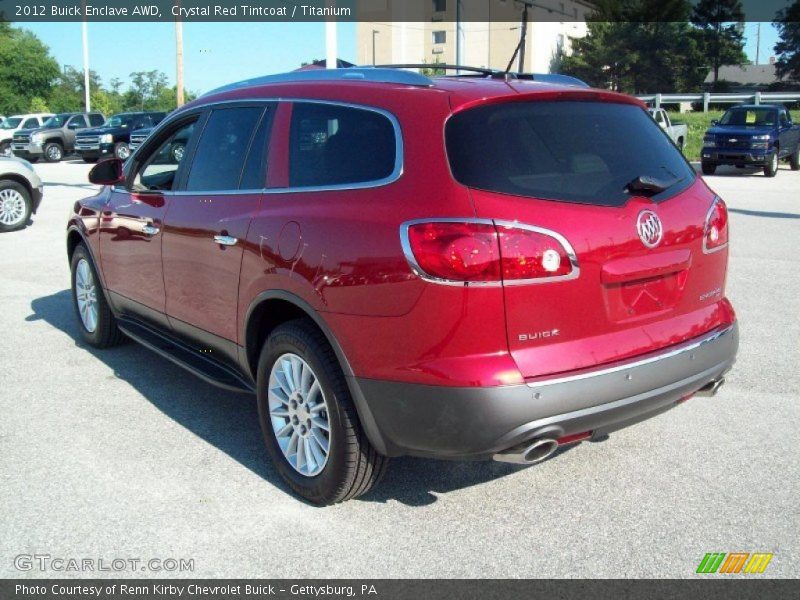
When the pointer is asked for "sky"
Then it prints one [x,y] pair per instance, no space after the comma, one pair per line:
[214,54]
[219,53]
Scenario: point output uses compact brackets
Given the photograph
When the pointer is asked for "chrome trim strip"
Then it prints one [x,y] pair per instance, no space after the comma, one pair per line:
[685,347]
[419,272]
[705,228]
[396,173]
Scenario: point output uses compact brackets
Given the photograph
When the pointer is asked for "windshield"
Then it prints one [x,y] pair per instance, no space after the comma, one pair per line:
[57,120]
[119,121]
[588,152]
[11,123]
[749,117]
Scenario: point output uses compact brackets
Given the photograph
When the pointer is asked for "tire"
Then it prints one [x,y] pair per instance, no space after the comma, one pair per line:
[771,168]
[5,149]
[351,466]
[15,205]
[794,159]
[89,159]
[122,151]
[53,152]
[708,168]
[101,331]
[33,159]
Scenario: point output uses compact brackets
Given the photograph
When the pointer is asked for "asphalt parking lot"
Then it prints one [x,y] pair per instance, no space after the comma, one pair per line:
[119,454]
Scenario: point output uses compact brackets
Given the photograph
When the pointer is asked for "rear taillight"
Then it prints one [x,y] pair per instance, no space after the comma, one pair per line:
[715,233]
[482,251]
[452,251]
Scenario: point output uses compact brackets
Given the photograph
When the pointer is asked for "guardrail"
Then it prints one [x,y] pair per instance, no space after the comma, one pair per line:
[707,98]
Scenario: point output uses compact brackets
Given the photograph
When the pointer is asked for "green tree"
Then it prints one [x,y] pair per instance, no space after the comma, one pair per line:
[637,56]
[145,90]
[38,105]
[787,50]
[721,23]
[67,93]
[26,69]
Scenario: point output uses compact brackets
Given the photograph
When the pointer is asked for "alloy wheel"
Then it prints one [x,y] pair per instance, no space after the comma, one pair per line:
[54,153]
[299,414]
[86,295]
[12,207]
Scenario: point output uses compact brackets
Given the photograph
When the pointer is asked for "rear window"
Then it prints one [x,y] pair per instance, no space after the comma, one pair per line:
[585,152]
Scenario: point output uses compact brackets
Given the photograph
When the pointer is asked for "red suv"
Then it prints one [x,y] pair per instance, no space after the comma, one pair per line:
[453,267]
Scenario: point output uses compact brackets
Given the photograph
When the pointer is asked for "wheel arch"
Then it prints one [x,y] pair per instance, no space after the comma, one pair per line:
[272,308]
[20,180]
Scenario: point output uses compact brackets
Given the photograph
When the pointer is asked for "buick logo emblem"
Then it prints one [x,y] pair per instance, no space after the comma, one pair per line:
[650,229]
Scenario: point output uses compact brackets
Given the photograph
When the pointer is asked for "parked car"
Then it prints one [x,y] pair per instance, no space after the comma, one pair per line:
[13,124]
[677,132]
[752,135]
[452,267]
[55,139]
[113,137]
[172,154]
[20,193]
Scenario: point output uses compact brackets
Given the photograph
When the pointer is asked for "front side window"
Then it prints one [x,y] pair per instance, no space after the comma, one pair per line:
[337,145]
[158,171]
[96,119]
[586,152]
[30,123]
[220,155]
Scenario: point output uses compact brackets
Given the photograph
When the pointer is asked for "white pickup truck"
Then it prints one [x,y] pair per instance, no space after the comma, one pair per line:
[677,131]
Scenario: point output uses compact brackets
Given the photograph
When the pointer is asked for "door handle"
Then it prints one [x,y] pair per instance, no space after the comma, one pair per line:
[225,240]
[150,229]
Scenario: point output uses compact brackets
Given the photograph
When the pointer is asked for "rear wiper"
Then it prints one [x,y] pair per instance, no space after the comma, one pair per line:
[649,186]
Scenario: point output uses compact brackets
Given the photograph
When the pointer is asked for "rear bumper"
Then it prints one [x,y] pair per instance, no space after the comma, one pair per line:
[446,422]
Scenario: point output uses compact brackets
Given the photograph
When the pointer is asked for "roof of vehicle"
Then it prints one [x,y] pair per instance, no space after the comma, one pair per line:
[29,115]
[463,91]
[753,106]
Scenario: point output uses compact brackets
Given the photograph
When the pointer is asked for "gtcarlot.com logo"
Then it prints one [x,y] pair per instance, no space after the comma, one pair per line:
[734,562]
[71,564]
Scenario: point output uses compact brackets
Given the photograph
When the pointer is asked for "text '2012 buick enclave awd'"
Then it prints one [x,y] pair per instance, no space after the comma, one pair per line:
[453,267]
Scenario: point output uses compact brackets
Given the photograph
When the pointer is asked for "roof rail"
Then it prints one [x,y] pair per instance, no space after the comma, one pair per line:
[493,73]
[368,74]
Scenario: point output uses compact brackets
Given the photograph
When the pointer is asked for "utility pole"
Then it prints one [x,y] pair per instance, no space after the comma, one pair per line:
[374,33]
[87,97]
[758,44]
[331,52]
[179,62]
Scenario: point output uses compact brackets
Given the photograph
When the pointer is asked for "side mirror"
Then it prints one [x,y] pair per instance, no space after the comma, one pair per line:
[107,172]
[714,123]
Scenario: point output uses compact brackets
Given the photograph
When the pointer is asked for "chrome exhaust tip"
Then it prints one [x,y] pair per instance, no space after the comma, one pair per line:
[711,389]
[528,453]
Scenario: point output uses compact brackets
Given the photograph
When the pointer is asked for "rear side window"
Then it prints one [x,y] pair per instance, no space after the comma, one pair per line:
[585,152]
[219,158]
[337,145]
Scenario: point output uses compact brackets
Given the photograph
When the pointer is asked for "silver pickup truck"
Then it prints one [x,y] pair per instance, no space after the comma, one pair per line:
[677,131]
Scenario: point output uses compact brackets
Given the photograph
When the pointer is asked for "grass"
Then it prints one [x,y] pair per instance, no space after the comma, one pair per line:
[698,122]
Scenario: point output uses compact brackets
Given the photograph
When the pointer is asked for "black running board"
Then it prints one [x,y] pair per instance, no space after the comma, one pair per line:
[183,355]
